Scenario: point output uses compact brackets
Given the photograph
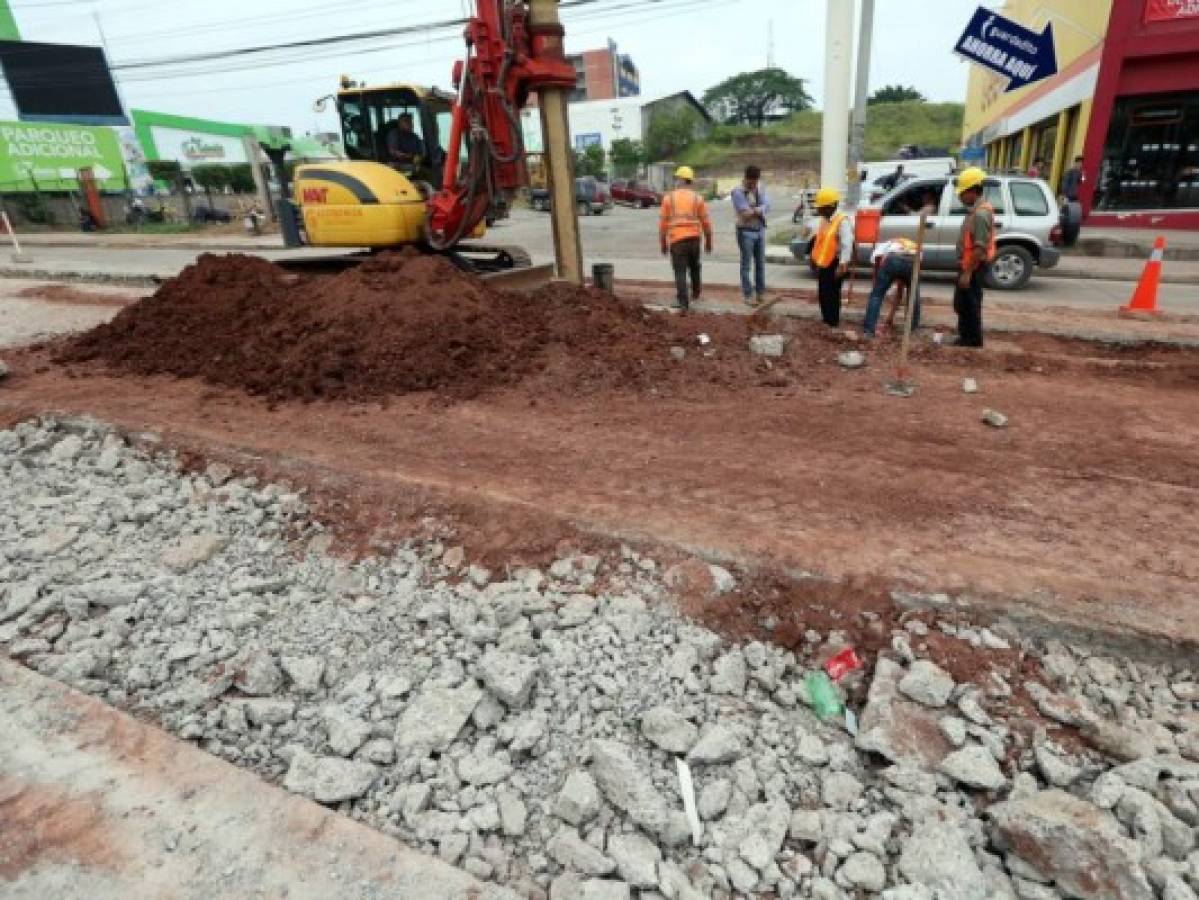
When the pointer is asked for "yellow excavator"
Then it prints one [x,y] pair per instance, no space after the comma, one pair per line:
[427,168]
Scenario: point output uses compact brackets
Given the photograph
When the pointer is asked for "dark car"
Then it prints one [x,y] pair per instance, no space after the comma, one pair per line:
[592,197]
[202,215]
[635,193]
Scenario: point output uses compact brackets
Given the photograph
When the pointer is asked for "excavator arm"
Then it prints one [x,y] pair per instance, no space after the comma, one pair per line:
[507,58]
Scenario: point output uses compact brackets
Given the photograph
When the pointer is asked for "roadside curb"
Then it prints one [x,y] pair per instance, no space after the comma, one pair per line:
[89,277]
[1056,272]
[229,247]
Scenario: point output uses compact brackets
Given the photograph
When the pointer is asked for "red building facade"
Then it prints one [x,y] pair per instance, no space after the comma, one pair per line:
[1141,157]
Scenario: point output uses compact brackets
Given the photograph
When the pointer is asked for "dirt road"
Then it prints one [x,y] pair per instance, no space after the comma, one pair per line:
[1082,511]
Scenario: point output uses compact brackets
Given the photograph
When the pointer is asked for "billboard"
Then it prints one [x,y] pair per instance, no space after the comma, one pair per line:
[197,148]
[61,83]
[48,157]
[1169,10]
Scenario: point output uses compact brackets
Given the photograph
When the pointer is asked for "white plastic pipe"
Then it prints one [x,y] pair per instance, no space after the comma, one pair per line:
[838,65]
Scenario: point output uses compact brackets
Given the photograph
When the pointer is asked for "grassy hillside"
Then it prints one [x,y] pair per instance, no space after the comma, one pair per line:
[795,142]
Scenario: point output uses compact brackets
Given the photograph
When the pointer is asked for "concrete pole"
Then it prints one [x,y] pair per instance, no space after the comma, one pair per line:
[838,57]
[861,85]
[559,162]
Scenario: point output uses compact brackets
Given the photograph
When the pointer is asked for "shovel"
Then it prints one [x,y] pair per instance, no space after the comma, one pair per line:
[901,385]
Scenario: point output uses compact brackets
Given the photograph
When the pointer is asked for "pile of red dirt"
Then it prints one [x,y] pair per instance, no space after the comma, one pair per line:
[400,323]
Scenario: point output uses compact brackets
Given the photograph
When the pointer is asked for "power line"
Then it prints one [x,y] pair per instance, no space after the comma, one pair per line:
[295,52]
[354,36]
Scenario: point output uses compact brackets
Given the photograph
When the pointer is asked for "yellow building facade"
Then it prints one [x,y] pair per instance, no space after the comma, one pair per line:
[1047,119]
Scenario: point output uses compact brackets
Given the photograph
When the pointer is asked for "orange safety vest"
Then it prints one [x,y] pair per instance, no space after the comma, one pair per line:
[824,251]
[968,234]
[684,215]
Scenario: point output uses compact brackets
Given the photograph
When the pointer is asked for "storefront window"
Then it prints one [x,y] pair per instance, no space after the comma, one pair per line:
[1151,158]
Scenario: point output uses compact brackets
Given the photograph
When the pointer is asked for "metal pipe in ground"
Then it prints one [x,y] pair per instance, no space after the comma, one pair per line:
[603,277]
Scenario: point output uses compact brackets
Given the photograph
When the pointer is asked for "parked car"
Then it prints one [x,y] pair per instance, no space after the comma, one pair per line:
[635,193]
[592,197]
[202,215]
[1026,216]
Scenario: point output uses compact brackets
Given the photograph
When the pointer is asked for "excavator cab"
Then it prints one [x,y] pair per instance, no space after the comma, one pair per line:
[394,136]
[401,126]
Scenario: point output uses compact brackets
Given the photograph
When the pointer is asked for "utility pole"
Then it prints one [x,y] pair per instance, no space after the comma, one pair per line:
[838,57]
[861,85]
[559,156]
[770,44]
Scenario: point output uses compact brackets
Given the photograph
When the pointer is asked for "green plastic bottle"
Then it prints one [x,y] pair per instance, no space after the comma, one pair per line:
[823,696]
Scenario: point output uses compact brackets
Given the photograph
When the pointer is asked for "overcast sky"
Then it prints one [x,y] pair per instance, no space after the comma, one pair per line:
[675,49]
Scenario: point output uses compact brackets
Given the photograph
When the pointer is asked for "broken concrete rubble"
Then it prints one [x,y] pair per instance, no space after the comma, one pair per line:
[1072,843]
[526,728]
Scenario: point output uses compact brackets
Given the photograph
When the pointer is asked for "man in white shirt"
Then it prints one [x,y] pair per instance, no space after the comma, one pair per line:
[893,261]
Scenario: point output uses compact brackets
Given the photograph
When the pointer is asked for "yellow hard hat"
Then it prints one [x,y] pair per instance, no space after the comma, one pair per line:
[969,178]
[826,196]
[684,172]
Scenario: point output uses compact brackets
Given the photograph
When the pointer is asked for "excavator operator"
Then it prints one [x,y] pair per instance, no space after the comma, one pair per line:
[405,149]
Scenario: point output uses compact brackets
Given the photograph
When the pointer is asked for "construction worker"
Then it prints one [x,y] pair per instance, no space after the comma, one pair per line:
[976,252]
[832,252]
[683,220]
[893,262]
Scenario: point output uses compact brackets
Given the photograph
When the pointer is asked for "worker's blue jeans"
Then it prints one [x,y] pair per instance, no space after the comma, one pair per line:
[752,244]
[895,267]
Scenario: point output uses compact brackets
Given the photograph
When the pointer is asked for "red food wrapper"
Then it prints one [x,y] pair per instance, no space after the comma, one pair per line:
[842,664]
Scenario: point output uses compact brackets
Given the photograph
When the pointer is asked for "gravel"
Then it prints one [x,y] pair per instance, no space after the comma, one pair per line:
[525,724]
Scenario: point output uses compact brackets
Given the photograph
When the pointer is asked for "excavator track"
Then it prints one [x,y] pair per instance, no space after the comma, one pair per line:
[500,265]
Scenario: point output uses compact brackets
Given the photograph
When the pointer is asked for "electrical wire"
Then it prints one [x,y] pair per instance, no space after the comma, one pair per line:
[291,53]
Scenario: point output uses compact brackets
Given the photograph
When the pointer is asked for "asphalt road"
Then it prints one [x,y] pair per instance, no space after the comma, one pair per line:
[622,236]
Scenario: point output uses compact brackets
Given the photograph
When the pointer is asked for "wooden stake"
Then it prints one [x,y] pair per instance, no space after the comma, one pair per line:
[901,372]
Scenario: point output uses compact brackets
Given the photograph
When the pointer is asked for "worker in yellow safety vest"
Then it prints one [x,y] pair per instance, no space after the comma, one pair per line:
[976,252]
[832,253]
[684,218]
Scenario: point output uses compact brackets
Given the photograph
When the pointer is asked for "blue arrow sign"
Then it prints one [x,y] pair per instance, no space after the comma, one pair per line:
[1008,49]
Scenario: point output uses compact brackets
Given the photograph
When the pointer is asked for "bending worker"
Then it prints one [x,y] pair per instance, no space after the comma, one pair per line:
[831,253]
[683,219]
[893,262]
[976,252]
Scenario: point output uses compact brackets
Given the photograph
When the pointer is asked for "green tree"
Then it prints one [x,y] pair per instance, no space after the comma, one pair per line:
[211,176]
[749,98]
[241,178]
[590,161]
[167,170]
[626,156]
[670,133]
[895,93]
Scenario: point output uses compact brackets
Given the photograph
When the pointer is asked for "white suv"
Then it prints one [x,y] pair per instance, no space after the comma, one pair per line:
[1026,215]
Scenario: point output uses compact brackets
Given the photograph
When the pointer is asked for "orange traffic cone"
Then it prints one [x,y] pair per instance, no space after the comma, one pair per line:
[1144,298]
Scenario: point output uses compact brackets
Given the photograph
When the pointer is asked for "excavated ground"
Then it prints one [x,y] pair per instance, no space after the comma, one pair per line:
[410,397]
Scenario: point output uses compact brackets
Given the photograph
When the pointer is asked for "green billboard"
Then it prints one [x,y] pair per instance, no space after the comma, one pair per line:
[43,156]
[8,25]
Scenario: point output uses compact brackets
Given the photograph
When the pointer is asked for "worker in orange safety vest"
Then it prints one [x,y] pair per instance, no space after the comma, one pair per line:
[683,220]
[832,253]
[976,252]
